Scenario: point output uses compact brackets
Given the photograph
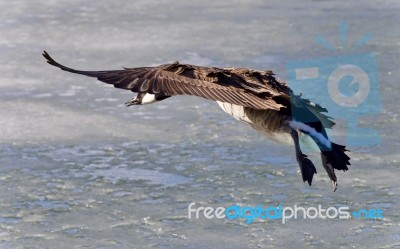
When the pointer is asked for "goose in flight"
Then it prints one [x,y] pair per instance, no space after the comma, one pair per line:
[254,97]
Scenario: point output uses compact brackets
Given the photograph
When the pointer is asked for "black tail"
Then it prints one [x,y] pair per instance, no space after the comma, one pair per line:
[336,157]
[333,155]
[308,118]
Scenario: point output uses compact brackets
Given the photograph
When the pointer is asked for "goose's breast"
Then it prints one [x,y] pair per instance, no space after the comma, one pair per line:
[270,122]
[235,111]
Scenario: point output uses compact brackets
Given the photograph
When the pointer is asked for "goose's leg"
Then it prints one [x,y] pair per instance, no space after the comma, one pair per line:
[331,172]
[133,101]
[307,168]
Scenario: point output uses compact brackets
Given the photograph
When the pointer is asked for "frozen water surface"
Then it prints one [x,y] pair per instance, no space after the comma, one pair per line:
[78,169]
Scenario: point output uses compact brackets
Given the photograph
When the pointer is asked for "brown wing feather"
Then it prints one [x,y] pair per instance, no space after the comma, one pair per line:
[236,86]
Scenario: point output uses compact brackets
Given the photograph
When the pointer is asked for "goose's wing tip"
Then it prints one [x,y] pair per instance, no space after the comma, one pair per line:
[50,60]
[45,54]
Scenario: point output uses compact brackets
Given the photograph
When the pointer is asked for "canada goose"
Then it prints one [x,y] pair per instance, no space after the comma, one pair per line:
[254,97]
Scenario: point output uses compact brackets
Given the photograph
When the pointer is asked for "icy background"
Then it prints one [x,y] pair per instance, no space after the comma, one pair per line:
[78,169]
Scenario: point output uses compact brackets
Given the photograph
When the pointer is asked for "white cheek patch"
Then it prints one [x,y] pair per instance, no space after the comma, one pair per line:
[311,131]
[148,99]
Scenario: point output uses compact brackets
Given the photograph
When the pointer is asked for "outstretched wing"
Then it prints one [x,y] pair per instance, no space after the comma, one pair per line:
[182,79]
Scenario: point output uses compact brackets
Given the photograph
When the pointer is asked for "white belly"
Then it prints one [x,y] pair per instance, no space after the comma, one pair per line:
[238,113]
[235,111]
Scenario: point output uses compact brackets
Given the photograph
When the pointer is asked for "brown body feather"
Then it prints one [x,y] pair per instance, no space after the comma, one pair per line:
[265,102]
